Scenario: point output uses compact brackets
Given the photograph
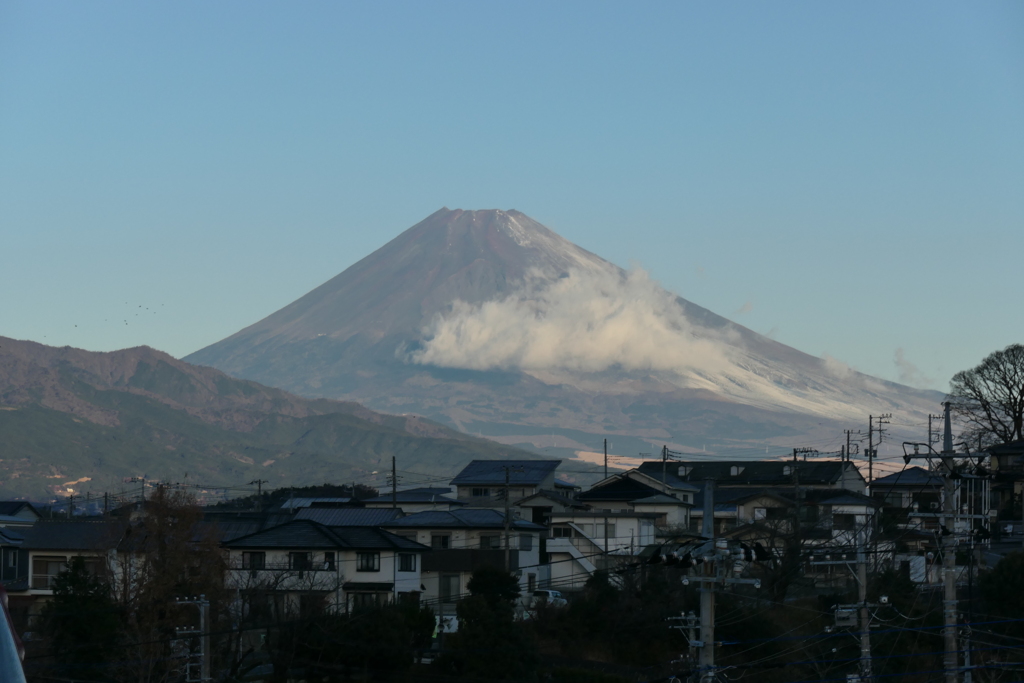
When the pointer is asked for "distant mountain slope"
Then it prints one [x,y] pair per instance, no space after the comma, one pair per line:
[489,321]
[68,414]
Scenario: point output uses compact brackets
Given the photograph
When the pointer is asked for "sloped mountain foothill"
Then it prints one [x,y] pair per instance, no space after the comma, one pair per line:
[74,421]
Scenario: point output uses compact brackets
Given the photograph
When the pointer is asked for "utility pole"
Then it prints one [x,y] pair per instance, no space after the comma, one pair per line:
[849,432]
[865,615]
[664,466]
[508,519]
[394,484]
[707,590]
[203,653]
[606,458]
[948,527]
[872,451]
[259,492]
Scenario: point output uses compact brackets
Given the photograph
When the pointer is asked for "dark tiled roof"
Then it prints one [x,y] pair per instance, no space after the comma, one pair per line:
[367,537]
[10,537]
[296,534]
[460,519]
[622,488]
[492,472]
[306,534]
[753,473]
[13,507]
[349,516]
[74,535]
[670,478]
[911,476]
[231,525]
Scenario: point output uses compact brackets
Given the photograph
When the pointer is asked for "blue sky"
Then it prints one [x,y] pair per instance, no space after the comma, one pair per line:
[848,178]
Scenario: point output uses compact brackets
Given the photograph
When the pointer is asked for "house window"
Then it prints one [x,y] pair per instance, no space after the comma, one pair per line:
[407,562]
[449,587]
[254,560]
[45,569]
[481,492]
[12,558]
[440,541]
[735,470]
[526,541]
[760,513]
[561,532]
[531,583]
[490,541]
[300,561]
[361,601]
[329,561]
[367,562]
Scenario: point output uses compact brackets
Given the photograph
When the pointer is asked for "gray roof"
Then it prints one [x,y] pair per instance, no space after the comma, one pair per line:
[73,534]
[420,495]
[349,516]
[659,499]
[460,519]
[492,472]
[298,503]
[304,534]
[911,476]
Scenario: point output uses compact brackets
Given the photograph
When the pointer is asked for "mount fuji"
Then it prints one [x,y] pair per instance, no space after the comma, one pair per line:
[492,323]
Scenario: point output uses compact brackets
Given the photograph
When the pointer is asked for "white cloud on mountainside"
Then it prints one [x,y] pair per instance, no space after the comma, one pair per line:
[586,322]
[563,329]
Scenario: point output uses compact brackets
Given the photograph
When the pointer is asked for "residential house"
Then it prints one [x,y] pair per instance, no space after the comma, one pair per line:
[635,491]
[482,483]
[584,542]
[538,507]
[18,513]
[302,567]
[1007,464]
[461,541]
[45,549]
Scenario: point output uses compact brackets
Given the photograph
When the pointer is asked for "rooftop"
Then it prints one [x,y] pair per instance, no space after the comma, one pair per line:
[460,519]
[492,472]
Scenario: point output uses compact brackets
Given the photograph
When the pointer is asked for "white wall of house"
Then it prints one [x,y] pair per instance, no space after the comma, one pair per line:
[280,573]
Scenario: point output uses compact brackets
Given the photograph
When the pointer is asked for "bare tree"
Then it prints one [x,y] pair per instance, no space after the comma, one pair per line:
[988,400]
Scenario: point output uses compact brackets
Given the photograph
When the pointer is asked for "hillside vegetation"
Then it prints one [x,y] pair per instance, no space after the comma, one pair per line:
[84,421]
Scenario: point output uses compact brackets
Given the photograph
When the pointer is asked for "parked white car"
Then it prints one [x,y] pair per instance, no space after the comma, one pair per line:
[553,598]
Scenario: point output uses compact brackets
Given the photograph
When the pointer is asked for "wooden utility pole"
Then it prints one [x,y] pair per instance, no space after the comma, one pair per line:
[606,458]
[394,484]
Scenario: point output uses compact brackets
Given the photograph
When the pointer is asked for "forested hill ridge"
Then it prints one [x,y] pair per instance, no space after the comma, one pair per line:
[84,421]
